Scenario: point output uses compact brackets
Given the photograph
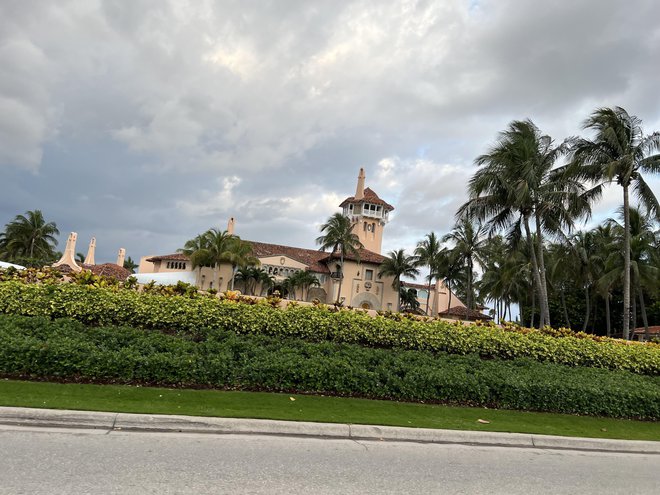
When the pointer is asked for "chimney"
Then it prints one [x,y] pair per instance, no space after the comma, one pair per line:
[89,259]
[120,257]
[230,226]
[359,191]
[69,256]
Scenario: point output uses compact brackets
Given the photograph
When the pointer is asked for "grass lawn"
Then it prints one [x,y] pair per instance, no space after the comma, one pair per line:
[131,399]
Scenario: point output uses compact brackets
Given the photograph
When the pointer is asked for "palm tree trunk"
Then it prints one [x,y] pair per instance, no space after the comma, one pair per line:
[588,310]
[544,285]
[563,306]
[428,294]
[449,289]
[398,294]
[642,308]
[626,263]
[607,315]
[633,302]
[531,321]
[341,275]
[535,269]
[469,284]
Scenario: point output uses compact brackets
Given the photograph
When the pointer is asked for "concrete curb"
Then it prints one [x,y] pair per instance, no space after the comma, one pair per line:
[20,416]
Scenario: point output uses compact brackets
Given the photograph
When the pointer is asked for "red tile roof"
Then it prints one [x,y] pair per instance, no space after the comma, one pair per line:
[310,257]
[366,256]
[369,197]
[653,330]
[169,257]
[109,270]
[417,286]
[314,259]
[464,313]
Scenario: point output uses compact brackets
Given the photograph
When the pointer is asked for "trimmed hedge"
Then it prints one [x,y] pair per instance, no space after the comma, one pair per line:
[192,316]
[66,349]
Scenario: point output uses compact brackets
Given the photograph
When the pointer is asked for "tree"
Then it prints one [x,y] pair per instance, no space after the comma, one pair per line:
[238,254]
[469,245]
[426,252]
[398,265]
[645,273]
[130,265]
[339,237]
[209,249]
[29,236]
[408,298]
[445,266]
[517,183]
[621,152]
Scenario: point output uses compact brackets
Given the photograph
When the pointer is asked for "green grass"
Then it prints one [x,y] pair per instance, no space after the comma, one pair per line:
[131,399]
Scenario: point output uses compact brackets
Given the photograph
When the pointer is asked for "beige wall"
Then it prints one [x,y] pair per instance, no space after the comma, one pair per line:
[370,232]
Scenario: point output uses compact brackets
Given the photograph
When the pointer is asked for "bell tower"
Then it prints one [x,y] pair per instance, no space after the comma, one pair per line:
[368,213]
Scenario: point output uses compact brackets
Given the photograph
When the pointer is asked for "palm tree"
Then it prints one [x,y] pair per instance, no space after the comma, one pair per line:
[469,246]
[643,257]
[408,299]
[517,182]
[445,266]
[130,265]
[29,236]
[620,151]
[339,237]
[80,257]
[426,252]
[398,265]
[209,249]
[197,250]
[238,254]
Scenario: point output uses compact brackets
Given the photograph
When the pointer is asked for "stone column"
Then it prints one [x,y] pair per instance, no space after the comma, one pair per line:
[89,259]
[69,256]
[120,257]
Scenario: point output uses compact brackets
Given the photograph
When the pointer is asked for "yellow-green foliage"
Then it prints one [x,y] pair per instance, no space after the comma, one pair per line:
[193,314]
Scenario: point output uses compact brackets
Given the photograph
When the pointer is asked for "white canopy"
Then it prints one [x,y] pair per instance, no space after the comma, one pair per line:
[4,265]
[166,278]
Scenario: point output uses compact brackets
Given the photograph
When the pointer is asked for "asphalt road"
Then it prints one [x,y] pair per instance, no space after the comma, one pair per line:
[40,460]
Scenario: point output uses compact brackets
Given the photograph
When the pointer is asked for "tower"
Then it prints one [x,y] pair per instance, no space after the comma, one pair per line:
[368,213]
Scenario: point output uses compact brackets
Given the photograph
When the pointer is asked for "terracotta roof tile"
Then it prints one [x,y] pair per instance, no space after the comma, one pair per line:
[169,257]
[464,313]
[369,197]
[314,259]
[109,270]
[366,256]
[310,257]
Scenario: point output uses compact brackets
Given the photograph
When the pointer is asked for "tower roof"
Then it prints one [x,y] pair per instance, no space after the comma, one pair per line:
[369,197]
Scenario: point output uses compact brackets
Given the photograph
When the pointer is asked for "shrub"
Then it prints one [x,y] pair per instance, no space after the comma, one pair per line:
[195,314]
[65,349]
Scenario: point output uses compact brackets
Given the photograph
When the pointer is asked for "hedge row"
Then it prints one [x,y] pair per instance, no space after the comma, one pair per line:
[65,349]
[103,306]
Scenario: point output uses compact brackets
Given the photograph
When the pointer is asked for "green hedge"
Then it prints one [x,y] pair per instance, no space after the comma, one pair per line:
[107,306]
[65,349]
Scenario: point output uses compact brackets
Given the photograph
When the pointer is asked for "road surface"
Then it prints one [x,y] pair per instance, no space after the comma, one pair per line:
[40,460]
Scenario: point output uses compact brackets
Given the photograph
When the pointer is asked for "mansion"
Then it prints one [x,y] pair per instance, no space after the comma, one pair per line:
[362,286]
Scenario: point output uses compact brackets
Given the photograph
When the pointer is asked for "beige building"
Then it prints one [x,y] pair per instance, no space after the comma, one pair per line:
[362,286]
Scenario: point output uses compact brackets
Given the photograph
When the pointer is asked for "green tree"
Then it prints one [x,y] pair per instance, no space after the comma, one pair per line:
[338,236]
[645,273]
[239,254]
[426,252]
[130,265]
[398,265]
[621,152]
[469,245]
[408,298]
[517,183]
[29,236]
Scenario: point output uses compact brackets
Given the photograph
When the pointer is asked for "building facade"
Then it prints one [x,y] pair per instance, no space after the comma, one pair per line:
[361,287]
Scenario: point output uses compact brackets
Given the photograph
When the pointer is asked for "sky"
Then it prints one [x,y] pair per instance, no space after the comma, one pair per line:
[144,123]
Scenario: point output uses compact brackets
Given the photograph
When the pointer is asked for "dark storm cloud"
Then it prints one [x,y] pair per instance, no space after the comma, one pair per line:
[146,122]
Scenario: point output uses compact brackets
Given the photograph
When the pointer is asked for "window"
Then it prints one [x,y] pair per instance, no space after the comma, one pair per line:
[368,274]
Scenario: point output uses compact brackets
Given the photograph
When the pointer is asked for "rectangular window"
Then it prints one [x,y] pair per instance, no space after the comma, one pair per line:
[368,274]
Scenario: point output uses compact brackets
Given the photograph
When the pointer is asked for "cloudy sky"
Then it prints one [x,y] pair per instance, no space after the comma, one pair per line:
[144,123]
